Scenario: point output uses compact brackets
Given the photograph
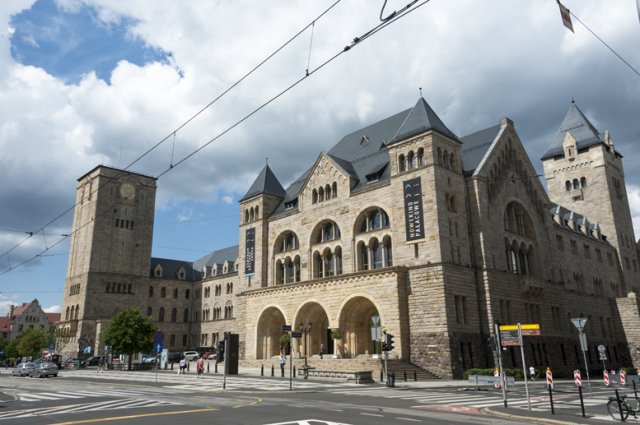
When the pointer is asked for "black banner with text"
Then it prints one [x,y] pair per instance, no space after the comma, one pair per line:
[413,216]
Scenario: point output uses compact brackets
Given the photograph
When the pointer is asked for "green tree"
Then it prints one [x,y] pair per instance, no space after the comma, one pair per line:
[32,341]
[130,332]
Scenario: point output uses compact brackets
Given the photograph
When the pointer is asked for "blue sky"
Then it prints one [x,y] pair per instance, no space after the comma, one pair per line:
[89,82]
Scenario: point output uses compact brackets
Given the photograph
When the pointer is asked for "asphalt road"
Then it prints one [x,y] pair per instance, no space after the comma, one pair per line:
[82,397]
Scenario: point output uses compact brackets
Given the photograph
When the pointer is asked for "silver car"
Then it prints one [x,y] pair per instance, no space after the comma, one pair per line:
[23,369]
[44,370]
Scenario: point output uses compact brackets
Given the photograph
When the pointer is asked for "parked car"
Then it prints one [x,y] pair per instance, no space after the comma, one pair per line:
[191,355]
[23,369]
[44,370]
[91,361]
[148,358]
[69,363]
[174,356]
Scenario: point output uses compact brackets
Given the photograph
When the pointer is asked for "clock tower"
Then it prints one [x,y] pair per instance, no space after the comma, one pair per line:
[109,256]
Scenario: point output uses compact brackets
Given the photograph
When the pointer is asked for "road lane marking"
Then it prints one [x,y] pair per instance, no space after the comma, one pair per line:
[143,415]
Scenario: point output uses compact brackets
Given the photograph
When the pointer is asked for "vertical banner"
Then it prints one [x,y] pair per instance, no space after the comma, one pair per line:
[250,252]
[413,216]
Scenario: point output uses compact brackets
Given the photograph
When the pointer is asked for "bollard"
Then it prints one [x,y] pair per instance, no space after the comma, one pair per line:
[188,364]
[415,376]
[272,370]
[262,370]
[381,376]
[635,391]
[215,369]
[207,367]
[553,412]
[294,371]
[404,373]
[581,402]
[393,379]
[165,366]
[171,365]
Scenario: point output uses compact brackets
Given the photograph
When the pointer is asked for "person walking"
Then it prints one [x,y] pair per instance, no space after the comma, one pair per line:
[100,364]
[183,366]
[200,368]
[321,350]
[532,373]
[282,361]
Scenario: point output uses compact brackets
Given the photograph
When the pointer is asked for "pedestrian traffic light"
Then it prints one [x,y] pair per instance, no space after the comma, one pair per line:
[389,342]
[220,353]
[384,346]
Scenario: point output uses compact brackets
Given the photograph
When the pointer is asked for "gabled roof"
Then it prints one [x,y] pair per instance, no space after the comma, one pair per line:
[265,184]
[577,124]
[21,309]
[475,147]
[5,324]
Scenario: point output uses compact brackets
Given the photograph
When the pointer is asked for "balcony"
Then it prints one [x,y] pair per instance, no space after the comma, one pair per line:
[531,286]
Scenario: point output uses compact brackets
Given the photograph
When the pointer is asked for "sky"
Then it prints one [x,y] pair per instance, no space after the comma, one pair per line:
[90,82]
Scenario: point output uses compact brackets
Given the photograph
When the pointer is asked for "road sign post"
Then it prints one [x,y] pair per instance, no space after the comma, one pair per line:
[580,323]
[499,351]
[524,366]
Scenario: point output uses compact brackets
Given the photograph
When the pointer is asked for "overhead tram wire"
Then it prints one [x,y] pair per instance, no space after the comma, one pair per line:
[185,123]
[356,41]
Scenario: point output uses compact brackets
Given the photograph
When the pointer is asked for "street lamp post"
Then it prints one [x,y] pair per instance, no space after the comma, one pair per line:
[306,330]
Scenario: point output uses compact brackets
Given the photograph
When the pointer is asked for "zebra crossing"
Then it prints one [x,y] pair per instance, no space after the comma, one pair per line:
[128,403]
[60,395]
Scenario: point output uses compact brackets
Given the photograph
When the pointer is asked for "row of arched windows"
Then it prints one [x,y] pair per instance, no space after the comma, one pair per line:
[324,193]
[118,288]
[575,184]
[375,254]
[327,263]
[163,292]
[251,214]
[72,312]
[411,161]
[519,257]
[287,270]
[446,159]
[174,314]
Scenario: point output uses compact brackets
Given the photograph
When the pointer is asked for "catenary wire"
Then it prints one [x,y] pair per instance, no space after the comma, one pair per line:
[356,41]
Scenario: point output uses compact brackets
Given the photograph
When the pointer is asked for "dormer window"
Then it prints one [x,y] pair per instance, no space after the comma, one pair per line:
[291,204]
[182,274]
[364,141]
[157,272]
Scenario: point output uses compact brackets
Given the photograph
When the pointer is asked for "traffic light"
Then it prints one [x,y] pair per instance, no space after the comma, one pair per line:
[384,346]
[389,342]
[220,353]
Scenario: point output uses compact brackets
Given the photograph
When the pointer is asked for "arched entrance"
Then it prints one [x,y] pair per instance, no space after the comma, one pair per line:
[269,331]
[361,328]
[313,322]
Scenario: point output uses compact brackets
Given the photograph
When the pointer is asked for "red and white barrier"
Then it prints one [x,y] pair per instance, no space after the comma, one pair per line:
[549,378]
[577,378]
[606,377]
[496,374]
[623,377]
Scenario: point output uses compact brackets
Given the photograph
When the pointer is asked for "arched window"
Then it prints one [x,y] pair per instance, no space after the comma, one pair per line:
[257,212]
[334,190]
[287,241]
[246,216]
[445,159]
[175,292]
[174,315]
[439,156]
[411,160]
[387,254]
[77,311]
[251,214]
[576,184]
[327,192]
[314,196]
[66,316]
[420,157]
[402,165]
[321,194]
[363,256]
[373,219]
[185,316]
[337,255]
[149,311]
[452,162]
[328,264]
[163,292]
[376,254]
[161,315]
[186,294]
[583,182]
[567,185]
[325,231]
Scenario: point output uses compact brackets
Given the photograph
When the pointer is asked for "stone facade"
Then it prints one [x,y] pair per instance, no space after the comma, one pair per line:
[480,242]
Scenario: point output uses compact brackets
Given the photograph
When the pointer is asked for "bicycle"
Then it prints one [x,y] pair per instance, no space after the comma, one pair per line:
[620,409]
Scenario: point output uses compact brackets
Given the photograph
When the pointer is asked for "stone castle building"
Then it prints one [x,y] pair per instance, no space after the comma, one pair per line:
[401,227]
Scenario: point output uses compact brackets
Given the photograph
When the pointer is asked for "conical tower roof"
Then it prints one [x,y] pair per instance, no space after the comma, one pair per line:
[420,119]
[580,128]
[265,184]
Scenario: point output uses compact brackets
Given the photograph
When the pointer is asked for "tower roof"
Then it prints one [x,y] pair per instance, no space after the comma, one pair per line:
[577,124]
[265,184]
[420,119]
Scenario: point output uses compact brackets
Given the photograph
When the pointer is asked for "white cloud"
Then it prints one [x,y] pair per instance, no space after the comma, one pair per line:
[52,309]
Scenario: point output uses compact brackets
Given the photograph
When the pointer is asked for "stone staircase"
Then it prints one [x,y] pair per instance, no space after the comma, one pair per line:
[376,366]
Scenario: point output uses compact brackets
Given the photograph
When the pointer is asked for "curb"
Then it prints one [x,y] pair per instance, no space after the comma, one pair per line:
[488,411]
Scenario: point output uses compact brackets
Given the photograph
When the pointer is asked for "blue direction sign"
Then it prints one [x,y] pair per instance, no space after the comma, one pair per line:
[158,347]
[106,348]
[158,337]
[52,347]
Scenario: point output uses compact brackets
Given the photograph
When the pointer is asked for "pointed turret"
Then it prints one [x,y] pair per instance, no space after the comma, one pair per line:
[577,128]
[265,184]
[420,119]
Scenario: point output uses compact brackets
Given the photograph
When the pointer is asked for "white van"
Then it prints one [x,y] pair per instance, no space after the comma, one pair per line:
[191,355]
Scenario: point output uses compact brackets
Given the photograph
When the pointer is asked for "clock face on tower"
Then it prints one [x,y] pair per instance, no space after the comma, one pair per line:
[127,191]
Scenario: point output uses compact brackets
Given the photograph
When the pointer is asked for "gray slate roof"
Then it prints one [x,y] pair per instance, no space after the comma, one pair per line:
[267,184]
[170,269]
[217,257]
[475,147]
[579,127]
